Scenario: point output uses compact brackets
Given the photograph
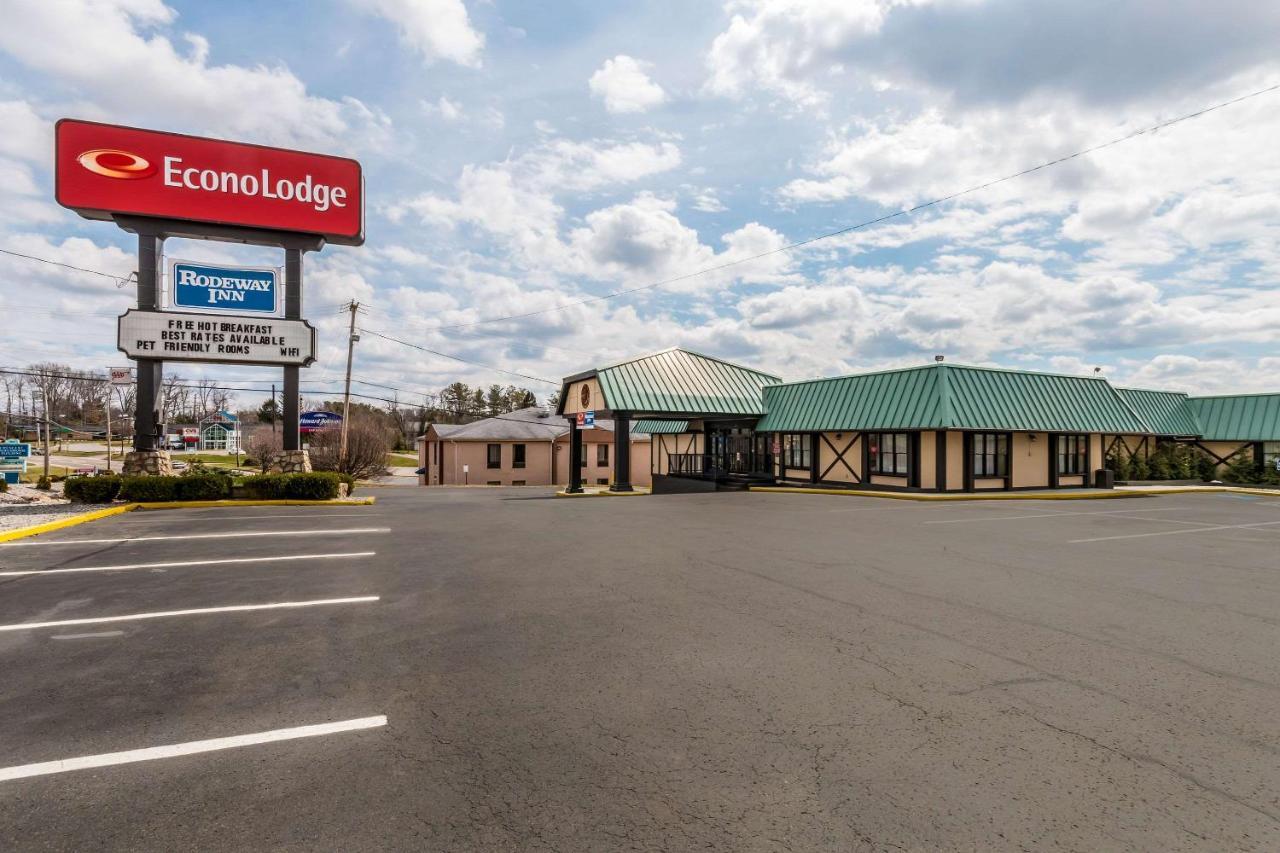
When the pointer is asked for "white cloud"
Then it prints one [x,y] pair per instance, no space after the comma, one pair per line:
[445,108]
[26,135]
[436,29]
[625,87]
[112,53]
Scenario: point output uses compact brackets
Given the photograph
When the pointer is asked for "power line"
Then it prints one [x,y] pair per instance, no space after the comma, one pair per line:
[121,279]
[457,358]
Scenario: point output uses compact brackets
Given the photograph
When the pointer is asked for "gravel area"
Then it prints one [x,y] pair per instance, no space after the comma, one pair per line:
[13,516]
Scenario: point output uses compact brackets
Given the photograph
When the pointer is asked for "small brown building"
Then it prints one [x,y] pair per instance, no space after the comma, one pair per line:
[528,447]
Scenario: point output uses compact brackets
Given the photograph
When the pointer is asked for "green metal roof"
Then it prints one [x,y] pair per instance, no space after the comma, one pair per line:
[1244,417]
[655,427]
[679,381]
[1165,412]
[946,396]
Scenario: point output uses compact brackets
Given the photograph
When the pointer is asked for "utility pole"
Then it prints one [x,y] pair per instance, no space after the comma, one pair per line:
[274,413]
[353,307]
[108,409]
[44,408]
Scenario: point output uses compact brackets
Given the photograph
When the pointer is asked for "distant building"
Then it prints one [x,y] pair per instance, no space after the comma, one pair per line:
[528,447]
[220,433]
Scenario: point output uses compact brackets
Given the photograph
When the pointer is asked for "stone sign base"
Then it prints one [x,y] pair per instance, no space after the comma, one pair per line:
[290,462]
[151,463]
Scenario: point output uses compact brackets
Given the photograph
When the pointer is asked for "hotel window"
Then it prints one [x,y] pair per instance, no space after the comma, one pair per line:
[796,450]
[990,454]
[495,456]
[888,451]
[1271,454]
[1071,453]
[602,454]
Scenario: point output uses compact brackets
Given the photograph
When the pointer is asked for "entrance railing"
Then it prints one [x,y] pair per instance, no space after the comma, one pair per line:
[707,466]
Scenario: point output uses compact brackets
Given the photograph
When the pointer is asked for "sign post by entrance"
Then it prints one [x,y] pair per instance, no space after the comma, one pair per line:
[159,185]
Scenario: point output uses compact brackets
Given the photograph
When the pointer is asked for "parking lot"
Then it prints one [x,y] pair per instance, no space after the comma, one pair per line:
[496,669]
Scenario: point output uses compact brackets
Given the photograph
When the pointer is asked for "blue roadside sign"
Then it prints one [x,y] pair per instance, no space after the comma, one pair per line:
[251,290]
[11,451]
[588,418]
[315,421]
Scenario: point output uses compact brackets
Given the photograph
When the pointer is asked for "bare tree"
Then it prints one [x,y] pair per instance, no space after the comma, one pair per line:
[261,444]
[368,442]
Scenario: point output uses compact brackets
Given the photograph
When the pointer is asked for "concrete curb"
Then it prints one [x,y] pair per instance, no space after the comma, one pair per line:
[69,521]
[73,520]
[604,494]
[967,496]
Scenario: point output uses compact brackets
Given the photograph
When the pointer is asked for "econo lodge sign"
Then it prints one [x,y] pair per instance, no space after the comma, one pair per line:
[101,169]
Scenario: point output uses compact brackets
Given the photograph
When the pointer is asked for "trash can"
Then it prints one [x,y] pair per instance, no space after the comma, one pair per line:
[1104,478]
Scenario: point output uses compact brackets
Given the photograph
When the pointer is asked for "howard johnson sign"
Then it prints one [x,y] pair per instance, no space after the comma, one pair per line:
[252,290]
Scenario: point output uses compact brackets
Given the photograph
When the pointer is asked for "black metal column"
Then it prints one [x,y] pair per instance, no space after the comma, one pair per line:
[1054,480]
[621,453]
[575,458]
[292,409]
[148,407]
[967,452]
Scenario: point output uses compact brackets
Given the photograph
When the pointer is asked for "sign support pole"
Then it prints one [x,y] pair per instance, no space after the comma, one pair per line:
[291,436]
[147,409]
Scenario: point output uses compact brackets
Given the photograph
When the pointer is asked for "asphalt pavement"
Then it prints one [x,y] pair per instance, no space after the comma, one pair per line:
[496,669]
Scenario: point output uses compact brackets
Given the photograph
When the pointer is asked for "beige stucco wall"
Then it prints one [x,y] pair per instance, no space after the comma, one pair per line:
[988,483]
[828,457]
[594,472]
[955,461]
[1029,460]
[474,454]
[928,459]
[573,397]
[1224,449]
[664,444]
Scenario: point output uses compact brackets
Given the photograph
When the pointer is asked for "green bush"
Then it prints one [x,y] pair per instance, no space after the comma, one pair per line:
[43,483]
[1139,469]
[350,481]
[1206,469]
[202,487]
[267,487]
[1160,467]
[316,486]
[1120,465]
[144,489]
[4,485]
[93,490]
[1242,469]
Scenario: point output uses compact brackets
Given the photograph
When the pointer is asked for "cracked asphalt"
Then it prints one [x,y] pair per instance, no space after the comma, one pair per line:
[732,671]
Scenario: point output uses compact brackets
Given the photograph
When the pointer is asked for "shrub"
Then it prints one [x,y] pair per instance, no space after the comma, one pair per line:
[265,486]
[93,490]
[1206,468]
[350,481]
[144,489]
[44,483]
[1242,469]
[368,442]
[202,487]
[4,485]
[1160,467]
[1120,465]
[1139,469]
[316,486]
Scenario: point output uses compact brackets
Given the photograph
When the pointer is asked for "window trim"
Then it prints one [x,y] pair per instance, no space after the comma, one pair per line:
[602,455]
[795,450]
[876,456]
[1002,461]
[1079,456]
[490,463]
[517,455]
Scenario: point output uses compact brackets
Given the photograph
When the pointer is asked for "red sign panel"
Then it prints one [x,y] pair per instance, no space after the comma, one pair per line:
[101,169]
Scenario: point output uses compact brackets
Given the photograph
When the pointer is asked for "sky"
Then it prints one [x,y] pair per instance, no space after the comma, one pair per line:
[523,157]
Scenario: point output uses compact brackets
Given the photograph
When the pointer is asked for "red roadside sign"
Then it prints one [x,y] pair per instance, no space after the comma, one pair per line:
[101,169]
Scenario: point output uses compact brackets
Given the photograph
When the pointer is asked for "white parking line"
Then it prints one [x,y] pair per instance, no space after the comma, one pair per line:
[234,535]
[1051,515]
[234,608]
[84,762]
[168,565]
[1175,532]
[97,635]
[146,515]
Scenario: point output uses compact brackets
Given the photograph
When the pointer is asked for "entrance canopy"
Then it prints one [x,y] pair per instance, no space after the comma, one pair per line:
[676,383]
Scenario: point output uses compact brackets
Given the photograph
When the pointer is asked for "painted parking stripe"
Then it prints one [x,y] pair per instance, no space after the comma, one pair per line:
[96,635]
[124,567]
[194,747]
[148,517]
[238,534]
[1053,515]
[199,611]
[1175,532]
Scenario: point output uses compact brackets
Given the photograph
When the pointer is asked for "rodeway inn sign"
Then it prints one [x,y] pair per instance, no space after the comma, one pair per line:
[103,169]
[236,290]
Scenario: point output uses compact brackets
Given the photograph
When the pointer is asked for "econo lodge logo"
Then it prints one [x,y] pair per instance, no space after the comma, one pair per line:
[114,163]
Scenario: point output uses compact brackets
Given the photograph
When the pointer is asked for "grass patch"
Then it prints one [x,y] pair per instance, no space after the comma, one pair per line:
[402,460]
